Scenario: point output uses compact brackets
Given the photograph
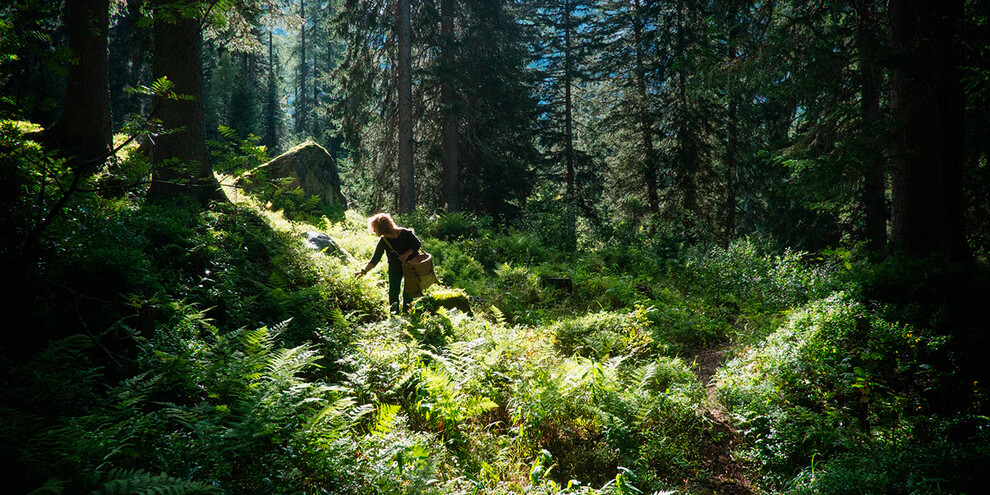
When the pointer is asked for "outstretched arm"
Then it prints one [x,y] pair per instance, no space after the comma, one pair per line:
[367,268]
[379,251]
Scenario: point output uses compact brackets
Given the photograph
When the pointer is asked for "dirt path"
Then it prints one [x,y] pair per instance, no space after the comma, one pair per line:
[728,475]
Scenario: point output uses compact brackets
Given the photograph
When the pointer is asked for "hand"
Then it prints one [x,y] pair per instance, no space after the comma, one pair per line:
[359,273]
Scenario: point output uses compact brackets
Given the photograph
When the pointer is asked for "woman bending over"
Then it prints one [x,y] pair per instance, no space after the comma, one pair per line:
[398,245]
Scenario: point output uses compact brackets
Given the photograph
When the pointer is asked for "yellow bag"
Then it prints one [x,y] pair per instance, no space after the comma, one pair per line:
[418,274]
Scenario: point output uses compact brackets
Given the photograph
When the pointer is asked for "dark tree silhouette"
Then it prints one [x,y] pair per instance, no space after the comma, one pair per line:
[84,128]
[928,106]
[179,157]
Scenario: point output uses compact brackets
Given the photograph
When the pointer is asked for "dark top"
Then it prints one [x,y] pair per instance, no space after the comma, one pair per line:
[406,241]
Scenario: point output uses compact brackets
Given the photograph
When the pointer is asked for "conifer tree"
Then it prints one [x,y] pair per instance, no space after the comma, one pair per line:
[628,67]
[403,84]
[928,152]
[563,49]
[449,131]
[84,128]
[180,160]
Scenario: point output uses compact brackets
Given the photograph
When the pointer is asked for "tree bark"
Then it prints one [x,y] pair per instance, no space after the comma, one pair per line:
[179,158]
[928,104]
[407,194]
[450,192]
[302,110]
[874,169]
[272,113]
[84,130]
[568,104]
[645,119]
[731,151]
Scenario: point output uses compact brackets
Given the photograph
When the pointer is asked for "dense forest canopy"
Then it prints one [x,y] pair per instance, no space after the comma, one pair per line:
[685,246]
[815,123]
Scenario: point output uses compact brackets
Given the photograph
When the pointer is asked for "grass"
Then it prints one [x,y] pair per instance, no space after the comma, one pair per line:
[212,351]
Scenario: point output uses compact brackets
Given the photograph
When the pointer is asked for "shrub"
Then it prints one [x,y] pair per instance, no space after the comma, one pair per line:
[756,282]
[605,334]
[902,465]
[454,225]
[676,327]
[518,292]
[516,247]
[553,225]
[454,267]
[608,414]
[829,380]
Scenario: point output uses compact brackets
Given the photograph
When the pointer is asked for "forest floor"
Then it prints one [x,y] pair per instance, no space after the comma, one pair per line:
[729,475]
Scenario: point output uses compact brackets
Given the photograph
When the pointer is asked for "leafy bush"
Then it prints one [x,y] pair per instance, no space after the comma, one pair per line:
[516,247]
[602,290]
[607,415]
[454,225]
[518,292]
[902,465]
[454,267]
[209,410]
[756,282]
[553,224]
[605,334]
[828,382]
[677,327]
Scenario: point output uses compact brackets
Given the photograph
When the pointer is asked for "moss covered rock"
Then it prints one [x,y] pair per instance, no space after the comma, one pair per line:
[447,298]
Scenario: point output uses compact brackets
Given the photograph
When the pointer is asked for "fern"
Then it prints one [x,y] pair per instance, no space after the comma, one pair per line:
[385,419]
[443,401]
[139,482]
[283,365]
[499,316]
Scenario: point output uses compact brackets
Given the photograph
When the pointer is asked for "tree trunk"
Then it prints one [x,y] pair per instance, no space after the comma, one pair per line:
[179,158]
[302,110]
[645,119]
[686,158]
[568,104]
[272,113]
[731,151]
[874,169]
[407,194]
[84,128]
[451,197]
[928,106]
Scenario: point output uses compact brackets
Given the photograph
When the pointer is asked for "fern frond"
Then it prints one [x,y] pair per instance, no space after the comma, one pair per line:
[256,341]
[339,413]
[385,419]
[140,482]
[499,316]
[285,364]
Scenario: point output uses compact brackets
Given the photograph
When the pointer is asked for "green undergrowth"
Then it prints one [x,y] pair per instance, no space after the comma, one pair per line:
[855,394]
[181,349]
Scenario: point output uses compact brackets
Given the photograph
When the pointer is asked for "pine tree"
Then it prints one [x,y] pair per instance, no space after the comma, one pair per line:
[83,131]
[563,49]
[928,105]
[450,194]
[627,67]
[272,119]
[403,84]
[180,160]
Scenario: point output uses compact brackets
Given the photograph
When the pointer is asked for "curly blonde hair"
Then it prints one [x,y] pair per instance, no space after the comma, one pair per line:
[382,224]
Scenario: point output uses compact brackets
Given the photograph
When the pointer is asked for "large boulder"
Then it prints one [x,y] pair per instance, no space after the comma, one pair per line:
[310,168]
[325,244]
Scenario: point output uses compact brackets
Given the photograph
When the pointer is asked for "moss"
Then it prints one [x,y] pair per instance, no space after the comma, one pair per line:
[446,298]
